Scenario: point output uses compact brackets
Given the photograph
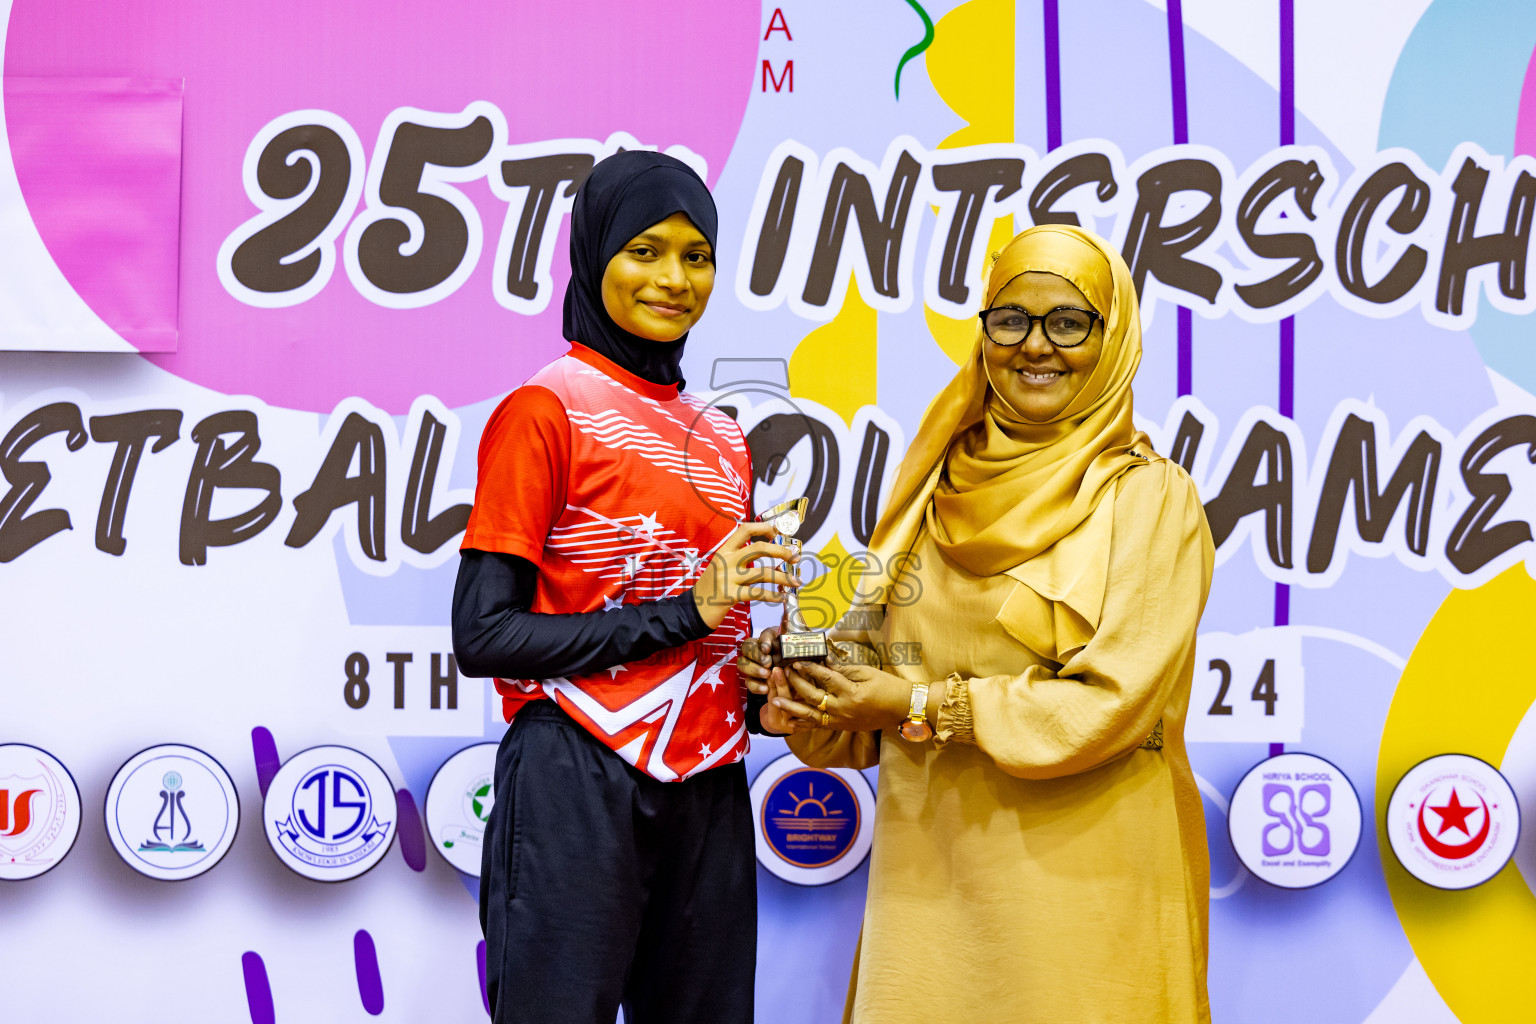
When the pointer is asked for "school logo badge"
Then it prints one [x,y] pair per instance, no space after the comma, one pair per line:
[39,811]
[172,812]
[1294,820]
[330,813]
[1453,821]
[459,803]
[813,826]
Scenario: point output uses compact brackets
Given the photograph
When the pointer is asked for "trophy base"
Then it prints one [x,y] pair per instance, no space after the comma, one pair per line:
[807,646]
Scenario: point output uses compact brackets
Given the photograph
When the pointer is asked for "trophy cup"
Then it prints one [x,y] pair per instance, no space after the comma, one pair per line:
[795,642]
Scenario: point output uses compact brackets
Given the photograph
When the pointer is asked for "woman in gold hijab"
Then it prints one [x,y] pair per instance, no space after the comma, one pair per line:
[1039,841]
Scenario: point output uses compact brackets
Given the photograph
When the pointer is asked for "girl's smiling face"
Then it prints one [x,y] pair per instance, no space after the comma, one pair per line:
[1037,379]
[657,285]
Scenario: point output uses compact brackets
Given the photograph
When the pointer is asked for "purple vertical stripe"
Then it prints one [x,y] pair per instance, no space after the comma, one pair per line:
[1176,71]
[1287,72]
[1288,366]
[480,963]
[264,747]
[1052,76]
[1282,618]
[1288,325]
[258,991]
[1186,351]
[413,839]
[370,987]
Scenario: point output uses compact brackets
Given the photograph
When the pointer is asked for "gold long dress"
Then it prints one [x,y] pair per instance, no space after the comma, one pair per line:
[1041,859]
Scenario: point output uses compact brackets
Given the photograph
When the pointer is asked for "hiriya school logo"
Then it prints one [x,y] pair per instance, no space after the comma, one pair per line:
[172,812]
[39,811]
[813,826]
[459,803]
[330,813]
[1295,820]
[1453,821]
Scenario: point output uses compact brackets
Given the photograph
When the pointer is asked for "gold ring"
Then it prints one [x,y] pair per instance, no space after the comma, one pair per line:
[825,719]
[822,705]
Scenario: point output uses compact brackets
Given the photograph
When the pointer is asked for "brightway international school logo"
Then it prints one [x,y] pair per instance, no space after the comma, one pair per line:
[330,813]
[1453,821]
[39,811]
[813,826]
[172,812]
[459,803]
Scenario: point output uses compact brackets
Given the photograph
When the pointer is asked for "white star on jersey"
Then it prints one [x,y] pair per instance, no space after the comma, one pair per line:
[610,603]
[710,679]
[649,525]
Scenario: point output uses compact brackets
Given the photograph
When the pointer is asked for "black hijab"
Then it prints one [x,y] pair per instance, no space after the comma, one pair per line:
[625,194]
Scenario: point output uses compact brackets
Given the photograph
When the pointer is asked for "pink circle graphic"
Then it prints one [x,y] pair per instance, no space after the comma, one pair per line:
[579,69]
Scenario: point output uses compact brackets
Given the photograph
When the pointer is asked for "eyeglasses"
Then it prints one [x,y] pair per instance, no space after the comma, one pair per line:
[1064,326]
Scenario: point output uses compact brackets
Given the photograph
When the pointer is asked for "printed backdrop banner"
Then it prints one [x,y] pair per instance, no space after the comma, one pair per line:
[308,248]
[98,161]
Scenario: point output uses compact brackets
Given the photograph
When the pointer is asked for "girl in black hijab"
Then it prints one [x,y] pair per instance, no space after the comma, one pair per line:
[624,195]
[602,581]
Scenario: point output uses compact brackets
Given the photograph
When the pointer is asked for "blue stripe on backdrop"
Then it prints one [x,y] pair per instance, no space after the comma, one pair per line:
[1459,79]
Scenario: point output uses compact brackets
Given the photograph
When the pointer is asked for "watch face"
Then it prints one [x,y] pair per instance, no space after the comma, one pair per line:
[916,731]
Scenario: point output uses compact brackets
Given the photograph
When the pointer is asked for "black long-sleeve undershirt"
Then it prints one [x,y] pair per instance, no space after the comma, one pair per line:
[495,634]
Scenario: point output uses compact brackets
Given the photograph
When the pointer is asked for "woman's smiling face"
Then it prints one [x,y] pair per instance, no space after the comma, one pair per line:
[657,286]
[1037,379]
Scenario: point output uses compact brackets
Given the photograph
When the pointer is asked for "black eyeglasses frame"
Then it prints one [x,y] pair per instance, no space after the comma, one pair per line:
[1093,318]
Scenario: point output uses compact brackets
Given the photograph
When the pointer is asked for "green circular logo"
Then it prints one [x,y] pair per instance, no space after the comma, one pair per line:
[480,799]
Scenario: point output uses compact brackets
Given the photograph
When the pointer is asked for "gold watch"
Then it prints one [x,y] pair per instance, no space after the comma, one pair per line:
[916,727]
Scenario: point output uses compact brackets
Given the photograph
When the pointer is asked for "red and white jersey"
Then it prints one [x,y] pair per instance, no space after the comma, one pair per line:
[621,490]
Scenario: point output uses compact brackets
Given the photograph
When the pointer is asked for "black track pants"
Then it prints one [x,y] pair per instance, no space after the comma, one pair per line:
[601,886]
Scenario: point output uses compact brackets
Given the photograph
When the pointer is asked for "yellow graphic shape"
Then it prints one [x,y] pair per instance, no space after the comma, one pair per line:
[1469,682]
[834,365]
[971,66]
[955,337]
[826,598]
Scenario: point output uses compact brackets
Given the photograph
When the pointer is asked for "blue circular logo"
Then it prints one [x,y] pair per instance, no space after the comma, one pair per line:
[810,818]
[323,811]
[172,812]
[813,826]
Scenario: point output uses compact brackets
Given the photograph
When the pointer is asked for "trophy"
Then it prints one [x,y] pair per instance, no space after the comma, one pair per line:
[796,642]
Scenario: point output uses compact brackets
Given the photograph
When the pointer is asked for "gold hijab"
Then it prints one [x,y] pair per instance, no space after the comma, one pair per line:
[997,490]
